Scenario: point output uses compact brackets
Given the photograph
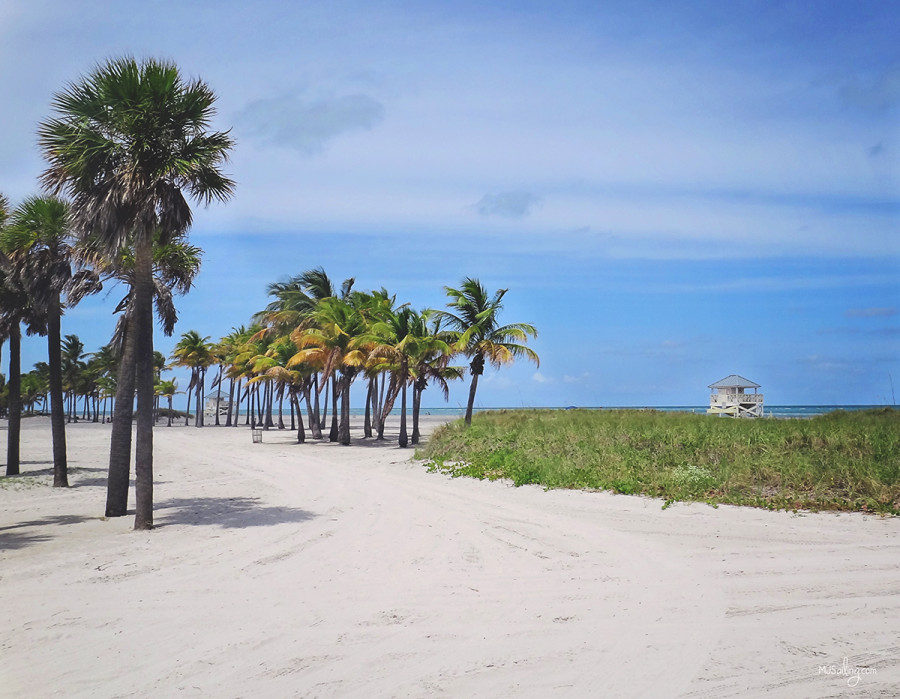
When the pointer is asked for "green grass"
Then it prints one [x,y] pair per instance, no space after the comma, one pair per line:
[838,461]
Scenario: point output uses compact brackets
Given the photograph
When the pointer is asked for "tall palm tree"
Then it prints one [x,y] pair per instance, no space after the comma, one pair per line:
[72,367]
[175,266]
[39,240]
[127,143]
[478,334]
[393,339]
[430,363]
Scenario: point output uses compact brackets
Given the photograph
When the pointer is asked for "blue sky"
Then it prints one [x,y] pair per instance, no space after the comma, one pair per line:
[671,191]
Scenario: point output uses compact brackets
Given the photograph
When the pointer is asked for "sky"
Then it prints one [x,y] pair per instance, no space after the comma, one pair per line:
[672,192]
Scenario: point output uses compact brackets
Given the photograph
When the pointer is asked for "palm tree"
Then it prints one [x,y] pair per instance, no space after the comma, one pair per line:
[430,362]
[478,334]
[167,389]
[127,144]
[175,266]
[40,240]
[394,341]
[72,368]
[195,353]
[331,339]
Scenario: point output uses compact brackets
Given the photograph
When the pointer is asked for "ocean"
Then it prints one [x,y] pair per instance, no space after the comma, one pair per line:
[780,411]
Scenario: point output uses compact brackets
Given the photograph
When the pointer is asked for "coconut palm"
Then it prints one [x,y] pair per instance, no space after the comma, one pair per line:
[127,143]
[393,340]
[167,389]
[195,353]
[478,334]
[430,363]
[331,340]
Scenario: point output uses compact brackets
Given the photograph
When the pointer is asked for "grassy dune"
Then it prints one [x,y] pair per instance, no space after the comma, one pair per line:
[838,461]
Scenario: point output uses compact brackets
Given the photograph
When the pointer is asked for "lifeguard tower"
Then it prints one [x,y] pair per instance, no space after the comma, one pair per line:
[730,398]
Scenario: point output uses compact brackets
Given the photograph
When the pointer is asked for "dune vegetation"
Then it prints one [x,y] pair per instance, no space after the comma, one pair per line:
[838,461]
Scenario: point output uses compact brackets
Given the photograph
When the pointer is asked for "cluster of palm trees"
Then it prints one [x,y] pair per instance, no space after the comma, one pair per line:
[126,148]
[312,342]
[127,145]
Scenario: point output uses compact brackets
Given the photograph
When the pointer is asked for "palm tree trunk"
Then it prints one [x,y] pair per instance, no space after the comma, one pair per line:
[230,403]
[270,403]
[295,403]
[471,402]
[367,422]
[251,406]
[120,437]
[14,403]
[170,412]
[197,391]
[187,408]
[344,431]
[417,402]
[219,392]
[333,434]
[57,412]
[404,439]
[323,417]
[143,307]
[314,429]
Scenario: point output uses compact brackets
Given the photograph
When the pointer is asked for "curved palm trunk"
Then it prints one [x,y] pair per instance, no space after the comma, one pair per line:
[143,352]
[367,423]
[323,415]
[314,428]
[230,402]
[120,438]
[295,405]
[14,403]
[471,402]
[57,411]
[187,408]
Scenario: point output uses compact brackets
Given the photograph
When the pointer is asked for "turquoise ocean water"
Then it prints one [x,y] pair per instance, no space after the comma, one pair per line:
[782,411]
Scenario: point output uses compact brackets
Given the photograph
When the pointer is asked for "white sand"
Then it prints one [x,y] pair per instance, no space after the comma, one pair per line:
[320,570]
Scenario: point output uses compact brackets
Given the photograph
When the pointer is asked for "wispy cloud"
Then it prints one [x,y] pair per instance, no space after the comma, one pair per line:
[884,312]
[878,96]
[307,125]
[516,204]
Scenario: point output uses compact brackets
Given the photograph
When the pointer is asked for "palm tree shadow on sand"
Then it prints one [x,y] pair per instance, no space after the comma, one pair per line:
[228,513]
[10,539]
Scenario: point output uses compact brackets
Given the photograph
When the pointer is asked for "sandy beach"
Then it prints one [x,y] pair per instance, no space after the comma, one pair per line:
[318,570]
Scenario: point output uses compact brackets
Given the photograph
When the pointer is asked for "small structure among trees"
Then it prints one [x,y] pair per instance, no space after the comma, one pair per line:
[730,397]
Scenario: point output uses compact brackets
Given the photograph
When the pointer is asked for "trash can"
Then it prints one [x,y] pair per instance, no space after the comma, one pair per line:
[257,436]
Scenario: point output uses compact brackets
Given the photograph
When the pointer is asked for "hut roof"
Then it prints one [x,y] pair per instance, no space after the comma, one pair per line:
[734,381]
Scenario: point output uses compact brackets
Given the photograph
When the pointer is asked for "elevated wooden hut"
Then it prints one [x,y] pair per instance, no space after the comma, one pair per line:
[730,397]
